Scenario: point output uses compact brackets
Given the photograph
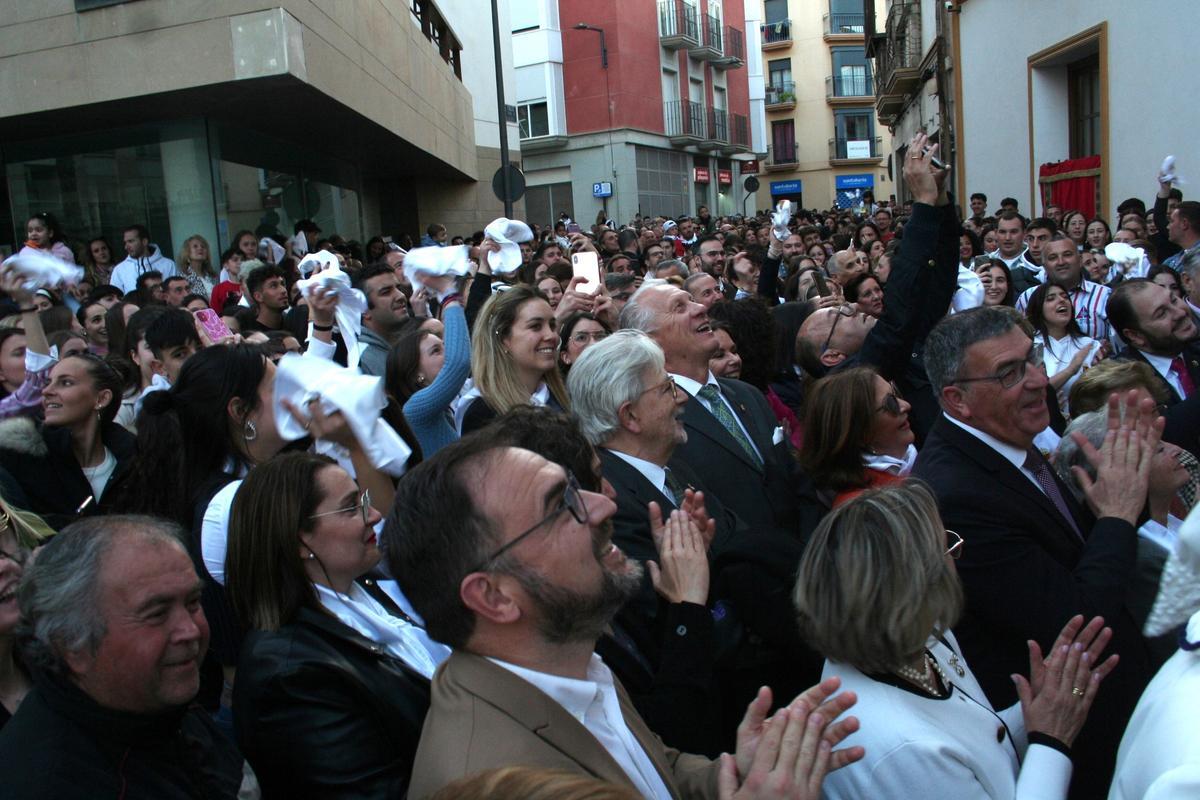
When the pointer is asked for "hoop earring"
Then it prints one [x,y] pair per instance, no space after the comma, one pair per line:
[249,431]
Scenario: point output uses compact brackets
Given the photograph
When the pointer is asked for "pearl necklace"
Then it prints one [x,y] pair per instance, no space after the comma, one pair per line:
[925,679]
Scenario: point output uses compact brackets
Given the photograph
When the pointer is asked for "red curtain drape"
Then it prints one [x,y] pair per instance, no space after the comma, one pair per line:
[1072,185]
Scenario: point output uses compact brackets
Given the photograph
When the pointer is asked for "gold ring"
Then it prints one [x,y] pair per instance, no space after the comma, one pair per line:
[1077,692]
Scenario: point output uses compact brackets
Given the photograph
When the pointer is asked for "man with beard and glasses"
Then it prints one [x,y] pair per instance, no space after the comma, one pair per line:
[511,563]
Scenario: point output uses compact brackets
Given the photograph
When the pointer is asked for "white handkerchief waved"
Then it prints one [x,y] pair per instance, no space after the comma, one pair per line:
[454,260]
[40,270]
[359,397]
[780,218]
[1168,173]
[969,293]
[508,233]
[270,251]
[351,305]
[317,262]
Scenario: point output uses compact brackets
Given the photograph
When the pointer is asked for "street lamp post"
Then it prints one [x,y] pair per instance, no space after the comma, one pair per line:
[502,111]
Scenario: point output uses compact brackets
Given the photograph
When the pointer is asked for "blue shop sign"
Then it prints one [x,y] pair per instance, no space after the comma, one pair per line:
[865,181]
[785,187]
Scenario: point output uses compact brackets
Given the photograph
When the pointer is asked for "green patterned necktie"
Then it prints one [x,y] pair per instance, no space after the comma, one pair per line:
[674,488]
[712,398]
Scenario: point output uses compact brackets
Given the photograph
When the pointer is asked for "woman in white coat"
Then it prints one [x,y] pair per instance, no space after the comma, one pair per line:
[877,593]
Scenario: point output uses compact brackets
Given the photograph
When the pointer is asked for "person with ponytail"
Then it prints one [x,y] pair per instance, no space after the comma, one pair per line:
[43,235]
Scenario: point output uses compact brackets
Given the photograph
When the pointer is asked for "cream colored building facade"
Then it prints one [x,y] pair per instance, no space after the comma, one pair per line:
[825,144]
[367,116]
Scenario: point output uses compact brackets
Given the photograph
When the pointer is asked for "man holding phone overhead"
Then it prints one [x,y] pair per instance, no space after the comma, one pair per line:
[918,294]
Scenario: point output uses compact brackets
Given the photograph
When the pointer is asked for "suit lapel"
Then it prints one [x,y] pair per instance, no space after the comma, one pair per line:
[628,481]
[734,393]
[649,741]
[1012,478]
[536,711]
[698,418]
[1190,359]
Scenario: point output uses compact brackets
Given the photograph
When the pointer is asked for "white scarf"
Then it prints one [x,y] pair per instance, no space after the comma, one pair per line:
[891,464]
[361,612]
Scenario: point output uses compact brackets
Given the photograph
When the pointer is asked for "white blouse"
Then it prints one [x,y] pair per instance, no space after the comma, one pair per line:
[1064,350]
[954,747]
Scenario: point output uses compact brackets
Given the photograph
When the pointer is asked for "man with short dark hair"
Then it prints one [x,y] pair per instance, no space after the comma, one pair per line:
[1037,558]
[140,257]
[112,631]
[1183,230]
[978,207]
[174,289]
[1010,234]
[652,254]
[1054,213]
[1064,267]
[511,562]
[1159,330]
[1037,234]
[387,310]
[267,291]
[1009,204]
[150,288]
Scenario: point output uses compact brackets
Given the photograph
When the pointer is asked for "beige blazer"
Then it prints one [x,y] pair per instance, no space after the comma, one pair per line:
[482,716]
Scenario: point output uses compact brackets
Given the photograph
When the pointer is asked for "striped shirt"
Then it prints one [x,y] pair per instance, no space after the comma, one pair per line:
[1091,308]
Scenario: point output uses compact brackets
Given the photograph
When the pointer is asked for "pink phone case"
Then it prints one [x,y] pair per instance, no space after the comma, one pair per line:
[212,324]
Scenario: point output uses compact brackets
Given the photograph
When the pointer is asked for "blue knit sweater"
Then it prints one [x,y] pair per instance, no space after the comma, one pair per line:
[427,411]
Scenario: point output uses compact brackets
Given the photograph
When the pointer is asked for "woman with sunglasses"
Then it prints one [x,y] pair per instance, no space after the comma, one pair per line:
[876,594]
[857,434]
[333,677]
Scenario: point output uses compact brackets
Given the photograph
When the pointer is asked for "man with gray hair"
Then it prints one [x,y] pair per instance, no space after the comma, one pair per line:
[112,631]
[846,265]
[1034,557]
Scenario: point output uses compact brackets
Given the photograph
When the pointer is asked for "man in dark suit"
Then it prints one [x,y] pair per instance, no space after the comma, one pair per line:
[733,443]
[1033,557]
[511,563]
[1159,330]
[918,294]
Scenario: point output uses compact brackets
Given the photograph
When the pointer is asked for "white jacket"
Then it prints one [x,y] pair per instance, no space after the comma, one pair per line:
[125,274]
[958,747]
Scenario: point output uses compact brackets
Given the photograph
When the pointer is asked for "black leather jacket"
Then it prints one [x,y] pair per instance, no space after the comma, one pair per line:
[321,711]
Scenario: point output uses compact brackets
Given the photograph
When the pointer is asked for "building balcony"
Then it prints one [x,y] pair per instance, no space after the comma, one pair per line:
[843,151]
[843,27]
[678,26]
[776,35]
[543,144]
[716,132]
[849,89]
[898,55]
[711,46]
[739,135]
[685,122]
[780,159]
[781,96]
[734,50]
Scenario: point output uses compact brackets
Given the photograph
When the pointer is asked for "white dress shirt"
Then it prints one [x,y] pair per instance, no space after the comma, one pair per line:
[594,703]
[1165,536]
[693,388]
[1162,365]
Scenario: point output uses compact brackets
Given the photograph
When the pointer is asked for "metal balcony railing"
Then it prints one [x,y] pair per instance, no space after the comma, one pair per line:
[852,85]
[781,92]
[714,34]
[901,48]
[684,118]
[840,24]
[842,148]
[778,31]
[734,48]
[740,130]
[677,23]
[718,125]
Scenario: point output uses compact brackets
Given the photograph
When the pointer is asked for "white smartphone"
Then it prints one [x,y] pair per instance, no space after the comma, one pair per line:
[587,266]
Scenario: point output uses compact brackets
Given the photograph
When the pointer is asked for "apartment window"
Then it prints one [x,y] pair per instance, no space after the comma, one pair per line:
[783,141]
[533,119]
[779,72]
[775,11]
[855,132]
[850,75]
[1083,97]
[845,16]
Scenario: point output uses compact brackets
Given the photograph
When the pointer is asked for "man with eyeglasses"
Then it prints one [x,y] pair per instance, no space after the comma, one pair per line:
[922,283]
[1036,557]
[511,563]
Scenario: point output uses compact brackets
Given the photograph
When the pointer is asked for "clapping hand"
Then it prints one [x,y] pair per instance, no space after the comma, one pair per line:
[1123,461]
[681,574]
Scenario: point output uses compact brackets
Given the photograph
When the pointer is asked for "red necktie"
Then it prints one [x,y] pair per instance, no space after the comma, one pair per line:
[1179,366]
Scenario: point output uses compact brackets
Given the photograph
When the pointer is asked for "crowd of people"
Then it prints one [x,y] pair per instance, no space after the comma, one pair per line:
[854,504]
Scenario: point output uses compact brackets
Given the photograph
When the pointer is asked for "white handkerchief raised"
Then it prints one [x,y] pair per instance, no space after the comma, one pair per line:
[270,250]
[317,262]
[1167,171]
[351,305]
[780,218]
[299,244]
[969,293]
[1127,260]
[40,270]
[777,436]
[359,397]
[508,233]
[453,260]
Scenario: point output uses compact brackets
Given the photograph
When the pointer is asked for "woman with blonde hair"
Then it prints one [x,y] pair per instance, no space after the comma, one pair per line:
[514,359]
[877,594]
[20,533]
[195,263]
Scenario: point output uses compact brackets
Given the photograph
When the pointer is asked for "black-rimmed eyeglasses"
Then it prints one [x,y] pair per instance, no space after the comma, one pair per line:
[363,505]
[1012,374]
[844,310]
[571,501]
